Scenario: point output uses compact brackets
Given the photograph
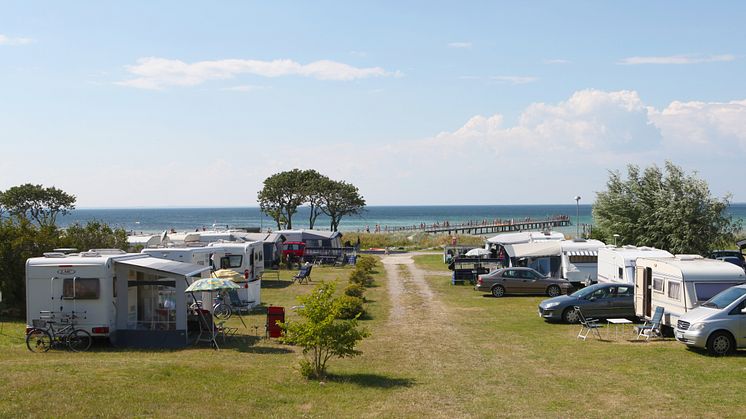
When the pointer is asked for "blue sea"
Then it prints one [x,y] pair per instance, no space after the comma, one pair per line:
[154,220]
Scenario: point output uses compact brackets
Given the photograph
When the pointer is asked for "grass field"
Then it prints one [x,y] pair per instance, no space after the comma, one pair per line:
[480,357]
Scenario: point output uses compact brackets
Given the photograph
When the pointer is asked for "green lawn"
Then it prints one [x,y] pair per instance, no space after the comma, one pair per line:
[489,357]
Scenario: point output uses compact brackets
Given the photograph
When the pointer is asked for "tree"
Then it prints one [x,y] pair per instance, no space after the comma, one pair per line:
[340,199]
[37,202]
[281,196]
[313,186]
[94,235]
[322,335]
[666,209]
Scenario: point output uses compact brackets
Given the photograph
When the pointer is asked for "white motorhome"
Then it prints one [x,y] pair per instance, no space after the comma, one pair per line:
[617,264]
[580,260]
[680,283]
[137,297]
[245,258]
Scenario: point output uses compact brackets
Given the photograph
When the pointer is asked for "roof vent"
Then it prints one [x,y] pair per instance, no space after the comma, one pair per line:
[688,257]
[54,255]
[629,247]
[66,250]
[90,254]
[108,251]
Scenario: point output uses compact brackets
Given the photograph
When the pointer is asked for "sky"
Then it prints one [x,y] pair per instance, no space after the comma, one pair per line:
[168,104]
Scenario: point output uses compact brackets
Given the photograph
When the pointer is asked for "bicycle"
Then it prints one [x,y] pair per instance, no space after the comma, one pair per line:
[221,309]
[43,336]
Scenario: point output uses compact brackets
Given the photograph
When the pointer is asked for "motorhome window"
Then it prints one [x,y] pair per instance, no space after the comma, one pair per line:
[231,261]
[85,288]
[658,284]
[674,290]
[705,290]
[583,259]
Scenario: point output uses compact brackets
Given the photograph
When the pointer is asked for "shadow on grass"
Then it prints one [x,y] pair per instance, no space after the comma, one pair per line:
[372,380]
[273,283]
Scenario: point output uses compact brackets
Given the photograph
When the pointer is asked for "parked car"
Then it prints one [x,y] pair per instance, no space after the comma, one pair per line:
[718,325]
[607,300]
[520,281]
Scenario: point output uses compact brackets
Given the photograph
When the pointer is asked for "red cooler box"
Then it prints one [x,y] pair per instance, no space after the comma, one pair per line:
[275,315]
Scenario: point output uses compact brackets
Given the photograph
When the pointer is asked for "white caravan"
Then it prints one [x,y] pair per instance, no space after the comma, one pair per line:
[617,264]
[574,260]
[245,258]
[680,283]
[86,284]
[580,260]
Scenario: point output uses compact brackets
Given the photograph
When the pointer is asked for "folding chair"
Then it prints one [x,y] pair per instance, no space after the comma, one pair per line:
[587,325]
[653,326]
[237,303]
[304,274]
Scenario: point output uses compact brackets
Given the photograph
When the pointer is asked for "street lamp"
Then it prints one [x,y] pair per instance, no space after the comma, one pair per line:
[577,216]
[615,237]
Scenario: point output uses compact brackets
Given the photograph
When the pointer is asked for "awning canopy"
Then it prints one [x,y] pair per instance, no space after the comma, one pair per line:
[583,253]
[167,267]
[536,249]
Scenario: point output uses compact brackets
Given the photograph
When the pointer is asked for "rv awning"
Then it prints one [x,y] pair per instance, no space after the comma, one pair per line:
[167,267]
[536,249]
[582,253]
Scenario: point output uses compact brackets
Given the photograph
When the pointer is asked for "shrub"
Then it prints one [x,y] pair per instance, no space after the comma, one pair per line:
[355,290]
[350,307]
[366,263]
[361,277]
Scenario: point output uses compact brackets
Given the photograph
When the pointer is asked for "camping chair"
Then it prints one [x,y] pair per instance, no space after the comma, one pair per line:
[653,326]
[304,274]
[207,329]
[237,303]
[587,325]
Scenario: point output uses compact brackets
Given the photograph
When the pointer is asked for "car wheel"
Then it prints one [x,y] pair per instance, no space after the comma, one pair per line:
[554,290]
[570,315]
[498,291]
[720,343]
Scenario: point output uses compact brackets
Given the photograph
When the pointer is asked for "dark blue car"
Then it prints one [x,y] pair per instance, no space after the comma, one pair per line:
[597,301]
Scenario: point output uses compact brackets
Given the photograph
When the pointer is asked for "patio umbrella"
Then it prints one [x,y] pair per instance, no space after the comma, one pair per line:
[211,284]
[478,252]
[228,274]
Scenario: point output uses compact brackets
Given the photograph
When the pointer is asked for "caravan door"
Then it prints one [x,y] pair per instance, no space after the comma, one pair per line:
[643,291]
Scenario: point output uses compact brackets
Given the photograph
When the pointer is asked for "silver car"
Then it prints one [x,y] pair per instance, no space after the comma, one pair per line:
[520,281]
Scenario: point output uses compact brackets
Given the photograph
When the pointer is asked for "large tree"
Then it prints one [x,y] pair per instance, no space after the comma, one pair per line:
[94,235]
[281,196]
[37,203]
[313,188]
[666,209]
[339,199]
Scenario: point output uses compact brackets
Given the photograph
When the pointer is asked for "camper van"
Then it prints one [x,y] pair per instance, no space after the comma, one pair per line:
[133,295]
[617,264]
[680,283]
[245,258]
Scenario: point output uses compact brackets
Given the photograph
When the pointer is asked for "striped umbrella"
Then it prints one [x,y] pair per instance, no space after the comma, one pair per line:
[211,284]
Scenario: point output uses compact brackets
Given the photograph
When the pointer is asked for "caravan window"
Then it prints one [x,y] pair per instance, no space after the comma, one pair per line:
[85,288]
[583,259]
[707,290]
[674,290]
[658,284]
[231,261]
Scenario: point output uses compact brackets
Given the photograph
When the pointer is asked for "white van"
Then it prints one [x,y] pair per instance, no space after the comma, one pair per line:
[680,284]
[719,324]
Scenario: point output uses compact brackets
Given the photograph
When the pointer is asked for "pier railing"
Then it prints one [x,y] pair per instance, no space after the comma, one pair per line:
[483,226]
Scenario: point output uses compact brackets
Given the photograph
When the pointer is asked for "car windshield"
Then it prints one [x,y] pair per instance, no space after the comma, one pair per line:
[726,297]
[587,290]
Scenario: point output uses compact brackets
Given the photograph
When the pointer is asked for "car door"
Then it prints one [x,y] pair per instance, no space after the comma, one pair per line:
[535,282]
[623,303]
[597,303]
[512,283]
[740,318]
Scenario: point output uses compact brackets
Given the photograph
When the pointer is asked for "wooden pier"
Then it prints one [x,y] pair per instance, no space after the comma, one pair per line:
[499,227]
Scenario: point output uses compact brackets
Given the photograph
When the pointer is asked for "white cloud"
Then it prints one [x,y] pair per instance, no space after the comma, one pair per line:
[157,73]
[11,41]
[714,126]
[514,79]
[459,45]
[677,59]
[245,88]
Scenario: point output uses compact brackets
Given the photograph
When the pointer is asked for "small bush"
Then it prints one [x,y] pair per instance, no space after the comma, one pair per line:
[350,307]
[366,263]
[307,369]
[361,277]
[355,290]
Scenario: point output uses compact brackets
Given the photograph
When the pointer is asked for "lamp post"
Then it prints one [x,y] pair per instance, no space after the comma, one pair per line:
[615,237]
[577,216]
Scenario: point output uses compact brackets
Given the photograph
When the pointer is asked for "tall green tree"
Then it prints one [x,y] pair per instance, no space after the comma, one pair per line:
[340,199]
[320,334]
[37,203]
[281,196]
[313,187]
[667,209]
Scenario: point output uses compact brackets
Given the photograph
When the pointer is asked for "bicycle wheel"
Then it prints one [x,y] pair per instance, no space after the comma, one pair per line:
[222,311]
[78,340]
[38,340]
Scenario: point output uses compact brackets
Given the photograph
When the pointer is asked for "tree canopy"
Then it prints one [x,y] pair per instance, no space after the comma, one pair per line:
[38,203]
[284,192]
[667,209]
